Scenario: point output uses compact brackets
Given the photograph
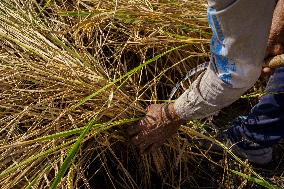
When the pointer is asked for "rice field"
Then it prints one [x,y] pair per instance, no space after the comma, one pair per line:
[75,74]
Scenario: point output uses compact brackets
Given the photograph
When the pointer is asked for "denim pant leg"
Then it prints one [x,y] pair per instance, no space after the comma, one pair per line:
[265,124]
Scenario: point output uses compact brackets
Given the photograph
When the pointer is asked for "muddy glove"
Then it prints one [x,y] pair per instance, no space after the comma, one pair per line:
[276,36]
[159,124]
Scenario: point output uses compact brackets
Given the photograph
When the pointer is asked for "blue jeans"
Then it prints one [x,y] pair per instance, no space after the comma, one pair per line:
[264,126]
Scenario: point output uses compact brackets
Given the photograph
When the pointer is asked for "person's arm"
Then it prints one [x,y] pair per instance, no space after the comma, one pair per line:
[240,34]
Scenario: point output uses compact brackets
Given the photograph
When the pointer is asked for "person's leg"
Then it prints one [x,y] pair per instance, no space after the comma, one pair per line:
[264,126]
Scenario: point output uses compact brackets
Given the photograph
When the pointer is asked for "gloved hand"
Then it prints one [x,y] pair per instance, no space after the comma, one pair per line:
[160,123]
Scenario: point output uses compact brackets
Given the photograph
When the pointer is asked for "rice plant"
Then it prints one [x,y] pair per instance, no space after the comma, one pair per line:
[75,74]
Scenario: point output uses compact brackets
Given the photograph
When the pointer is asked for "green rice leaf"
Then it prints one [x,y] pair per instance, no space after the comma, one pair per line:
[46,5]
[257,181]
[130,73]
[75,14]
[71,155]
[64,134]
[33,158]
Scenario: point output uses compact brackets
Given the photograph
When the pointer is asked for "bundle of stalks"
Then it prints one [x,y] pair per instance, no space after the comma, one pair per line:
[75,73]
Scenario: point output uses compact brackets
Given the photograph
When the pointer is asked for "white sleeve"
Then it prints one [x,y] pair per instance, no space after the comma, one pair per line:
[240,34]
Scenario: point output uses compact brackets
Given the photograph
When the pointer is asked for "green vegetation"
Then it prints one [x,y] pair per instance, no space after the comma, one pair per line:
[75,74]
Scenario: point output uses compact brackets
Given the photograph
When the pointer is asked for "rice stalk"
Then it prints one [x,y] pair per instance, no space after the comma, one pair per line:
[65,63]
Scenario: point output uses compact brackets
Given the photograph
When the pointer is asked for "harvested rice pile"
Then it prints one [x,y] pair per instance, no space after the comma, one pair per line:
[75,73]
